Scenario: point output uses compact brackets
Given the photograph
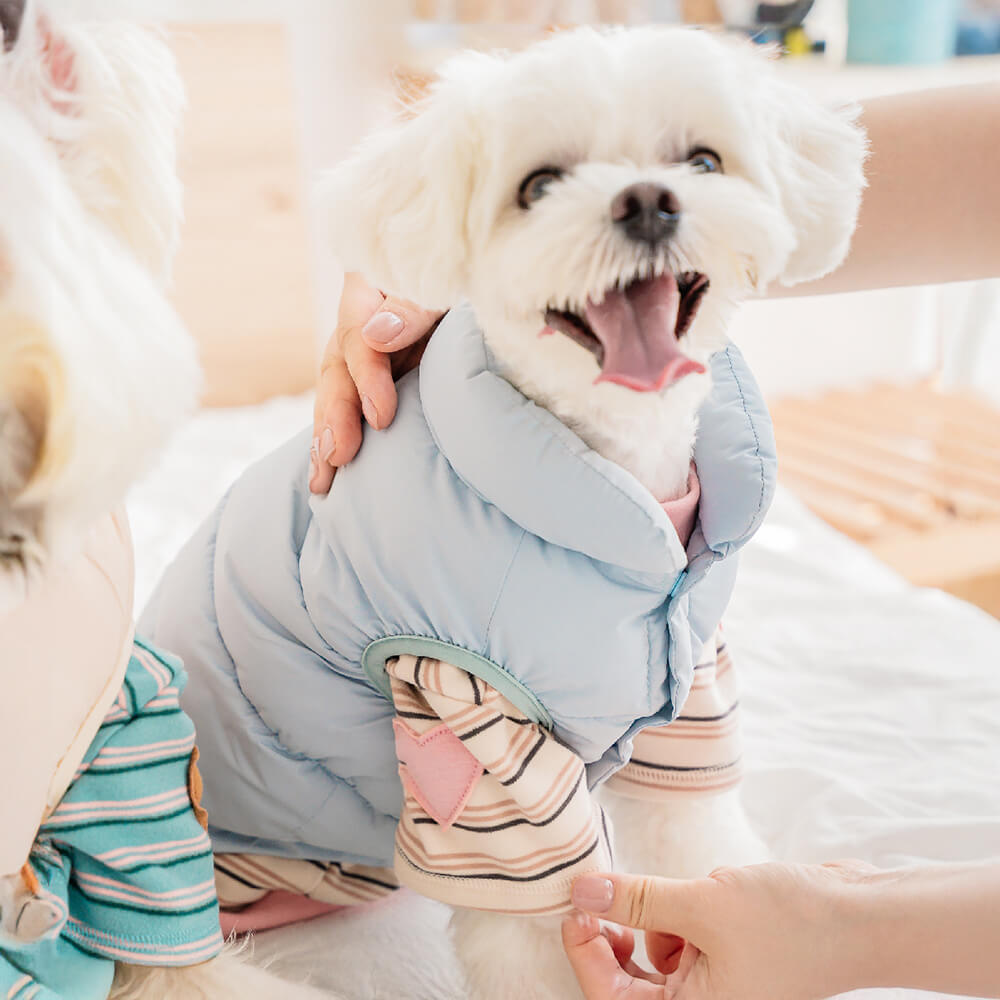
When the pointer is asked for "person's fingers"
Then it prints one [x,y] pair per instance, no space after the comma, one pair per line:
[622,942]
[370,327]
[320,473]
[690,981]
[336,423]
[397,324]
[671,906]
[599,973]
[337,413]
[350,358]
[371,374]
[664,951]
[396,328]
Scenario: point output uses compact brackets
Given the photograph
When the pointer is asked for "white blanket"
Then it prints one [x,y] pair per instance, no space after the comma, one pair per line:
[872,710]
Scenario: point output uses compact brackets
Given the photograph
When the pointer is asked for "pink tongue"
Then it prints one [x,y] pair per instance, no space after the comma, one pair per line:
[636,330]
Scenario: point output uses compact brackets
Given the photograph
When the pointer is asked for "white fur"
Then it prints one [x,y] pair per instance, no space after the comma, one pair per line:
[96,370]
[513,958]
[428,209]
[229,976]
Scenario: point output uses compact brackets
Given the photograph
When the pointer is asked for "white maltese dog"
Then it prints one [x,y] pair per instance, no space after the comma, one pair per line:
[603,201]
[620,193]
[96,369]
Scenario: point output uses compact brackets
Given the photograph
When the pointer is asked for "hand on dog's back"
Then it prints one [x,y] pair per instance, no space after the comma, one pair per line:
[378,339]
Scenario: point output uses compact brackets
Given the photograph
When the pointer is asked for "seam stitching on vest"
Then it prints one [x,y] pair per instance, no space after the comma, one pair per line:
[501,588]
[335,780]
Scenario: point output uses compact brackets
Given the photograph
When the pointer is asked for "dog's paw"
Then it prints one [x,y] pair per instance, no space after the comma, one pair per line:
[485,943]
[25,917]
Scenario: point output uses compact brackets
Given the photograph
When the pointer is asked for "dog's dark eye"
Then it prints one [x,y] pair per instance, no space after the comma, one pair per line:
[533,186]
[705,161]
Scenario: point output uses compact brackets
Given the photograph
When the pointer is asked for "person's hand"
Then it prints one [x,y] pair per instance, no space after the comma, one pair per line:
[377,339]
[767,932]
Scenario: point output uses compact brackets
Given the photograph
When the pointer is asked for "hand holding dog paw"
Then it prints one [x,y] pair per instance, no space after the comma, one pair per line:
[766,932]
[378,339]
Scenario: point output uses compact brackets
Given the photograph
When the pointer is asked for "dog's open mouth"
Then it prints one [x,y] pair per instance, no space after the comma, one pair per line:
[634,331]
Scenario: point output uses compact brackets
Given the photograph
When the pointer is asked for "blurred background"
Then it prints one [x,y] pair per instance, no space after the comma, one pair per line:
[886,403]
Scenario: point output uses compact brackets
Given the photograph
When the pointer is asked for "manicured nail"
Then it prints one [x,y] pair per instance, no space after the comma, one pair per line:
[382,327]
[593,893]
[369,410]
[313,460]
[327,445]
[582,926]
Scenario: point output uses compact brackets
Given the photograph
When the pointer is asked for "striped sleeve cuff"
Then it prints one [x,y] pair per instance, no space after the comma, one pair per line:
[701,751]
[496,815]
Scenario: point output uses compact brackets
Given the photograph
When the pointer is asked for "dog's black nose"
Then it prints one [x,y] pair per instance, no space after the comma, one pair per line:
[648,213]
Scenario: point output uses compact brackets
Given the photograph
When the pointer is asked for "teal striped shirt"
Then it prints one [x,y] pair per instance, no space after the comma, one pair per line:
[123,857]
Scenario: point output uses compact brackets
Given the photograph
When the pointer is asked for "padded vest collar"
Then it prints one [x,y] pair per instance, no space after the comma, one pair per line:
[520,458]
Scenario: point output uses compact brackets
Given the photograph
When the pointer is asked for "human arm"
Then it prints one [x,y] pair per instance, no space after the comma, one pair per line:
[932,205]
[795,932]
[929,214]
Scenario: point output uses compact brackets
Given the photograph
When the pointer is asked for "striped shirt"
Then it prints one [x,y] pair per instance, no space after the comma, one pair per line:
[496,812]
[701,750]
[124,859]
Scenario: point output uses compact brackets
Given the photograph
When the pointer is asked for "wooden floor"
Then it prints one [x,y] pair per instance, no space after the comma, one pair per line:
[911,473]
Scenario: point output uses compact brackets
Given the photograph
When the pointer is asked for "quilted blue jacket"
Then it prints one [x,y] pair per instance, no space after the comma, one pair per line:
[477,529]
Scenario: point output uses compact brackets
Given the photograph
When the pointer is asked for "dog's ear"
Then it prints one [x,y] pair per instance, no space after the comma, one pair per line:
[108,95]
[817,155]
[398,209]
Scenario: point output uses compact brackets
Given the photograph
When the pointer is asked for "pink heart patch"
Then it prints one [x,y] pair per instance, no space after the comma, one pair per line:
[437,769]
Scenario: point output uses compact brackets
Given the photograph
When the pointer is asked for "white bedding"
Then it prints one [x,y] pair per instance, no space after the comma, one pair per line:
[872,710]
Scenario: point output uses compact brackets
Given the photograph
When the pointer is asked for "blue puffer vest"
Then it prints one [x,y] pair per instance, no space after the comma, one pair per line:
[477,529]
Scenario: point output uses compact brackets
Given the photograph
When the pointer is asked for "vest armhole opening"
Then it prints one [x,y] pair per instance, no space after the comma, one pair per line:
[376,653]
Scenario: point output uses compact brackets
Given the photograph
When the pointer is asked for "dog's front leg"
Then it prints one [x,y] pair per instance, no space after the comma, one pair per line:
[682,837]
[508,957]
[676,806]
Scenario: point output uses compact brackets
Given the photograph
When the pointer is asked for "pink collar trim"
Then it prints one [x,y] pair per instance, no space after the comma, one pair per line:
[683,512]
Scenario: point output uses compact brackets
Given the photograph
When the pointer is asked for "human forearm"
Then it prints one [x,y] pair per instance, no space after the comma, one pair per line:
[932,207]
[935,928]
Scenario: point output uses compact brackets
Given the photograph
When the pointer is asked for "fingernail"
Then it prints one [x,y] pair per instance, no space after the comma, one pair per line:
[581,926]
[382,327]
[327,445]
[593,893]
[313,460]
[369,410]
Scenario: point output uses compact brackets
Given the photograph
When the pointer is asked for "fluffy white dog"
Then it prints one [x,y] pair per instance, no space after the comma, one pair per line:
[619,192]
[599,178]
[96,369]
